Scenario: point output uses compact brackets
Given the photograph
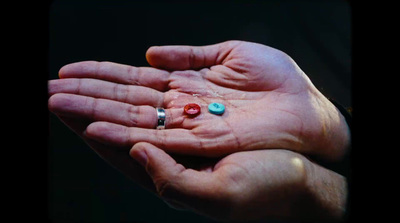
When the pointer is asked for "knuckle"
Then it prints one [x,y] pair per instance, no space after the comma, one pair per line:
[161,138]
[133,116]
[121,92]
[95,105]
[169,99]
[192,57]
[164,187]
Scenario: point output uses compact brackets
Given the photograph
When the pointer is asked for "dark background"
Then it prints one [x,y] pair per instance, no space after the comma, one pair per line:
[81,186]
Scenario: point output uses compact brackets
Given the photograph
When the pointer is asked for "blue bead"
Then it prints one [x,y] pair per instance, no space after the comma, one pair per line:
[216,108]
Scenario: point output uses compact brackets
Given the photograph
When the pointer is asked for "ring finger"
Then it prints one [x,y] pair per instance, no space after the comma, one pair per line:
[98,109]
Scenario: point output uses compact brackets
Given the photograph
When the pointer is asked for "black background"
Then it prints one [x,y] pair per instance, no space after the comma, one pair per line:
[81,186]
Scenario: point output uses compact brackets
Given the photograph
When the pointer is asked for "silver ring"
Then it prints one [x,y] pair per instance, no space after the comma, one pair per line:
[160,118]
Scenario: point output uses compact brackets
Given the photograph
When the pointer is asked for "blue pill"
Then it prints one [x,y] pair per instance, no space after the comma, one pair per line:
[216,108]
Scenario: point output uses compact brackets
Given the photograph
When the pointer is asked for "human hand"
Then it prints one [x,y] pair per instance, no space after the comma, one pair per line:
[270,102]
[250,185]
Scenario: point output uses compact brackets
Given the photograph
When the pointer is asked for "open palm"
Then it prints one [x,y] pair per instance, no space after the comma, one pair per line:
[270,102]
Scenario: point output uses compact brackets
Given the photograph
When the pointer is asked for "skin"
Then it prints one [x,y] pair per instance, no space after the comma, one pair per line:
[270,102]
[253,168]
[246,186]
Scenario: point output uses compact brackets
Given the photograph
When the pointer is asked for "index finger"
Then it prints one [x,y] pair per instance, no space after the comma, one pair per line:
[190,57]
[118,73]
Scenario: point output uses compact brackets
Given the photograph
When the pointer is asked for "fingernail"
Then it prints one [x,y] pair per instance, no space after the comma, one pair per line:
[141,157]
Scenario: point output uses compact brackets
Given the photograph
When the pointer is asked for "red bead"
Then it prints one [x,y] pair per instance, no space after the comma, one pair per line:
[192,109]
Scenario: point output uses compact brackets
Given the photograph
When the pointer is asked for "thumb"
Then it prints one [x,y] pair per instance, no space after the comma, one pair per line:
[161,167]
[173,181]
[188,57]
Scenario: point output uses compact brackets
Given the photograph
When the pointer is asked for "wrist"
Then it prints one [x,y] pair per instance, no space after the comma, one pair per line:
[324,197]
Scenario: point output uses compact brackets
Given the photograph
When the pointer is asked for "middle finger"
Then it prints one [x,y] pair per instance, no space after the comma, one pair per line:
[97,109]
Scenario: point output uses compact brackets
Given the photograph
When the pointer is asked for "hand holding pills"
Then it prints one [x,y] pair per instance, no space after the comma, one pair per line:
[276,108]
[254,98]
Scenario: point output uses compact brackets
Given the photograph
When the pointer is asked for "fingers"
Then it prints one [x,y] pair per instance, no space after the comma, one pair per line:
[192,139]
[132,94]
[119,135]
[119,73]
[96,109]
[172,180]
[189,57]
[157,162]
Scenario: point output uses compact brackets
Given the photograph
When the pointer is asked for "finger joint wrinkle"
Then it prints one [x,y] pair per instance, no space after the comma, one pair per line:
[133,115]
[133,75]
[192,57]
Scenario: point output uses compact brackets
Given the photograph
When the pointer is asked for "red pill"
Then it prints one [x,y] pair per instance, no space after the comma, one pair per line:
[192,109]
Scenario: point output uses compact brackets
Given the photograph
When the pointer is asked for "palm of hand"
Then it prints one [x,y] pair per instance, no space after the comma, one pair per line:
[270,103]
[261,89]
